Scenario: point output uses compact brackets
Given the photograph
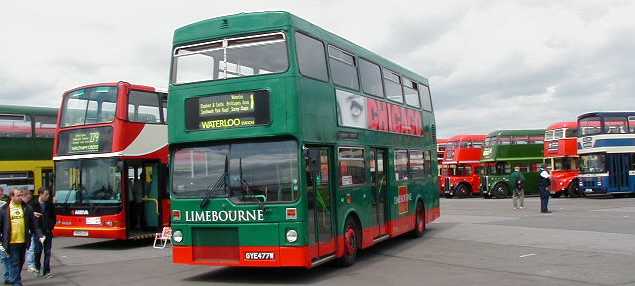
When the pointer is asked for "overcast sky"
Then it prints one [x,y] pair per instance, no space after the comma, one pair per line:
[491,64]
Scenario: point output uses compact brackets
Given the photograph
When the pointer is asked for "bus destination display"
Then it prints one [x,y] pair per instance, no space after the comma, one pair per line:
[81,142]
[228,111]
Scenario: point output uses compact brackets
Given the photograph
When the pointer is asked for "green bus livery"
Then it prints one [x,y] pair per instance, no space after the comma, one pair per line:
[292,147]
[506,149]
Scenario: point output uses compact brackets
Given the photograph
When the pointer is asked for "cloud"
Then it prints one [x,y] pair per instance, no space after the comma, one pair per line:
[491,64]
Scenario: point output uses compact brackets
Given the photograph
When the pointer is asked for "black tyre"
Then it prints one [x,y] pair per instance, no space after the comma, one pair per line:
[500,191]
[574,188]
[462,191]
[420,221]
[352,242]
[556,195]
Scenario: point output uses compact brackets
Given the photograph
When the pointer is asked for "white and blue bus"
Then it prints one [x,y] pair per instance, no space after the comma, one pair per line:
[606,145]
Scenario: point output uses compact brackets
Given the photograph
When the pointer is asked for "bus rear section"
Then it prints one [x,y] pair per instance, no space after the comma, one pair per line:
[26,141]
[460,169]
[504,151]
[561,156]
[111,157]
[606,142]
[302,168]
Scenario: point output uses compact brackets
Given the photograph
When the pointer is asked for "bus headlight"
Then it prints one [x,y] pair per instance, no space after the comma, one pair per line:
[599,183]
[581,184]
[292,236]
[177,236]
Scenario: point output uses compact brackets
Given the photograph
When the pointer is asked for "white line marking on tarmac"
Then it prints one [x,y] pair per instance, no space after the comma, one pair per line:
[527,255]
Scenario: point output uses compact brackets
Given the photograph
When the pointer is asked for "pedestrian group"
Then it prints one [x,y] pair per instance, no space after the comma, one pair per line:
[26,233]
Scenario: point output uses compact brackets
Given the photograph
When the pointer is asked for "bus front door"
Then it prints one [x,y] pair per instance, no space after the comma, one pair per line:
[618,166]
[320,207]
[379,187]
[151,196]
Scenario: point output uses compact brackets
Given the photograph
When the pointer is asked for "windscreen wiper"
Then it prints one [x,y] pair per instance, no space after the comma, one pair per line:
[213,188]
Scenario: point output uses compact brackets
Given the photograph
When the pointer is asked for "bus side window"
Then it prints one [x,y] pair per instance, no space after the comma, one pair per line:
[401,165]
[352,166]
[45,126]
[343,68]
[416,164]
[428,163]
[15,126]
[311,57]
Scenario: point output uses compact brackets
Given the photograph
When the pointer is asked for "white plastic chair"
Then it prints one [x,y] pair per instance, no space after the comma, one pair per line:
[161,240]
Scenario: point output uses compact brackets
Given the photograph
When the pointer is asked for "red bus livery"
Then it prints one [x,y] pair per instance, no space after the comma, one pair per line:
[459,168]
[110,155]
[561,155]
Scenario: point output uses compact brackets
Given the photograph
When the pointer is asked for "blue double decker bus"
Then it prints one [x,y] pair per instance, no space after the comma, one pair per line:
[606,145]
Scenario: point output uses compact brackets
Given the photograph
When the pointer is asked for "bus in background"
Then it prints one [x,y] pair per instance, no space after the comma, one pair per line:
[26,143]
[561,155]
[256,181]
[506,149]
[111,159]
[606,145]
[441,143]
[460,167]
[441,146]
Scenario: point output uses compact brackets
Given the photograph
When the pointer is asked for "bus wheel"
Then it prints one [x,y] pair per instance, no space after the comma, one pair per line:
[351,242]
[500,191]
[556,195]
[574,190]
[462,191]
[420,221]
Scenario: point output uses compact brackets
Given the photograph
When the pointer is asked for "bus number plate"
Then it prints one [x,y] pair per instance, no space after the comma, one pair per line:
[259,256]
[588,191]
[80,233]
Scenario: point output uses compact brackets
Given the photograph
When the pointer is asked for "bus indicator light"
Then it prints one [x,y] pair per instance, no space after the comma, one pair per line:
[176,214]
[292,213]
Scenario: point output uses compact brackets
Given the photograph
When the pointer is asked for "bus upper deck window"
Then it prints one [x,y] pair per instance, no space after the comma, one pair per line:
[615,125]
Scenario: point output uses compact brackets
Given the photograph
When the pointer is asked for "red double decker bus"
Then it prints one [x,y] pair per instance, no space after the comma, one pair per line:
[561,155]
[459,168]
[111,155]
[441,145]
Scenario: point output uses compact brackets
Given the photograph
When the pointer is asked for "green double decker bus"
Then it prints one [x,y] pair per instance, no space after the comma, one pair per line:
[506,149]
[292,147]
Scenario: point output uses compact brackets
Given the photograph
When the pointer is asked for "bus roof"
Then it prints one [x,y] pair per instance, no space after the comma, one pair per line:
[32,110]
[249,23]
[132,86]
[607,113]
[467,137]
[522,132]
[442,141]
[558,125]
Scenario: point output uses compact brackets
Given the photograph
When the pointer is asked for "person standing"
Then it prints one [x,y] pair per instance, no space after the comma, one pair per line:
[543,186]
[46,223]
[17,224]
[27,198]
[4,257]
[518,183]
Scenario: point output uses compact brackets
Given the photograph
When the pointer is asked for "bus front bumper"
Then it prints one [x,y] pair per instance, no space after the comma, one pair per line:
[90,232]
[243,256]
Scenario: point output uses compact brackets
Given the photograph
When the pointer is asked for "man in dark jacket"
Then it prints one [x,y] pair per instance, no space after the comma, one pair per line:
[543,186]
[17,223]
[45,211]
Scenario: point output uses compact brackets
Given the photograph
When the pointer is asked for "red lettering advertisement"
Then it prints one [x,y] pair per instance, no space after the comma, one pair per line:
[377,115]
[396,119]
